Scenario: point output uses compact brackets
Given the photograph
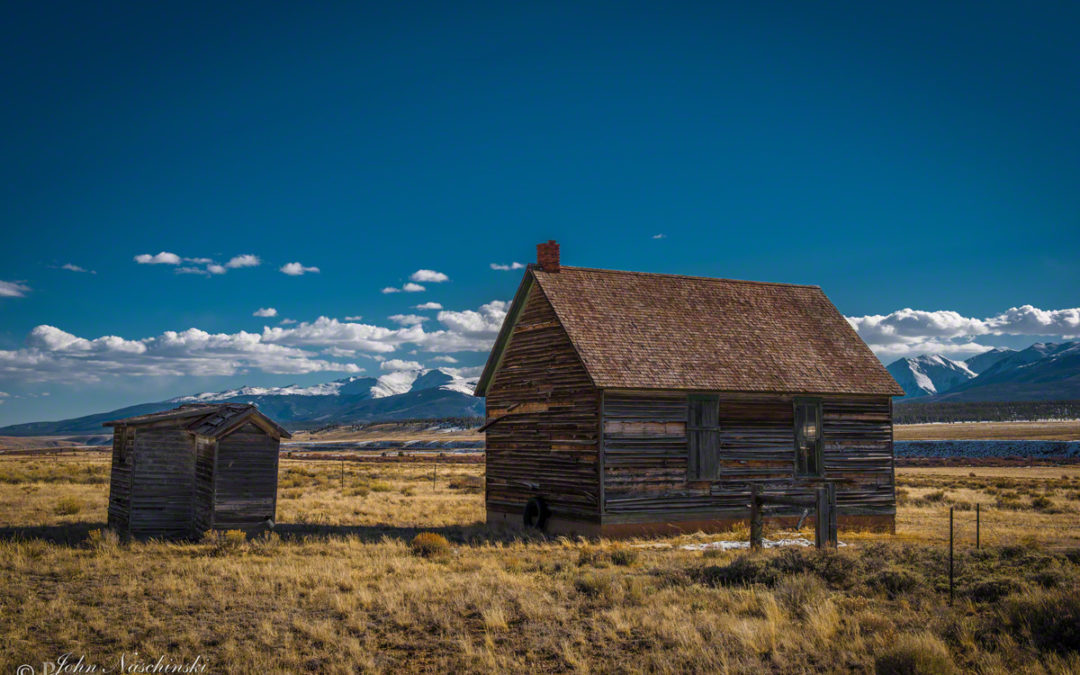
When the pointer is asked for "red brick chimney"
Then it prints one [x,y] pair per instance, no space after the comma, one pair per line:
[548,256]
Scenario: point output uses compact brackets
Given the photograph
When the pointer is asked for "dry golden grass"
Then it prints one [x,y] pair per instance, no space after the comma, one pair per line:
[1057,430]
[339,589]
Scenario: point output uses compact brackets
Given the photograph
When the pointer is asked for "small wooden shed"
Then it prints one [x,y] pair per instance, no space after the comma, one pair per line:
[198,467]
[625,403]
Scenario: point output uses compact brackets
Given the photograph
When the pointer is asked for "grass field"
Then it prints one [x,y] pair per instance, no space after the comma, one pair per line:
[1053,430]
[339,588]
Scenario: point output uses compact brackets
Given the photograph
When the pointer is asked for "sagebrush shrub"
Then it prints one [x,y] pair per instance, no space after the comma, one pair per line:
[624,556]
[993,590]
[593,584]
[1050,617]
[894,581]
[429,545]
[743,571]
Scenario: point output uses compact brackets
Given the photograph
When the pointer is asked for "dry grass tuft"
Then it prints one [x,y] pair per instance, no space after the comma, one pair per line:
[429,545]
[915,654]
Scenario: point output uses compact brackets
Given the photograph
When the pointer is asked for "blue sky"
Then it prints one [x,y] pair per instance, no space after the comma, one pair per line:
[901,155]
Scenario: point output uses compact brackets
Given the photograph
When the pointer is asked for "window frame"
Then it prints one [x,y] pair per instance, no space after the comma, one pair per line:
[696,433]
[814,403]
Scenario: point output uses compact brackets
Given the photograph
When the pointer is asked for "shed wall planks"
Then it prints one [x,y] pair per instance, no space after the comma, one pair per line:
[246,479]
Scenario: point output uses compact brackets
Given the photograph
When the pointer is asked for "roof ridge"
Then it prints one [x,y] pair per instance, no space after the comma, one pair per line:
[685,276]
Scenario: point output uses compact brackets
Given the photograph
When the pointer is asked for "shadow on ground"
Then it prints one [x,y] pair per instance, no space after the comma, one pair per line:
[74,534]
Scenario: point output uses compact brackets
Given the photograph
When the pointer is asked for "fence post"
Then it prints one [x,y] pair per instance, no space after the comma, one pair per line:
[821,518]
[950,555]
[977,527]
[342,474]
[834,538]
[755,517]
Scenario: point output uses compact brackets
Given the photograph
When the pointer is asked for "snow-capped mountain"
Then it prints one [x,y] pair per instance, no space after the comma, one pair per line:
[1042,372]
[389,384]
[981,362]
[929,374]
[409,394]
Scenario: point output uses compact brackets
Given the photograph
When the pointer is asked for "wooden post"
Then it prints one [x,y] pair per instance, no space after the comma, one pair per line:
[834,538]
[342,474]
[755,517]
[977,526]
[950,555]
[821,518]
[434,474]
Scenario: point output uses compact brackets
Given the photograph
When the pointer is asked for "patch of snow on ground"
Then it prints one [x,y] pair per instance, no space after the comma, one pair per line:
[730,545]
[727,545]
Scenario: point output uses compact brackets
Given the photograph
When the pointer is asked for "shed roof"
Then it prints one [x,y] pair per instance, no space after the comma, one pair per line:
[635,330]
[206,419]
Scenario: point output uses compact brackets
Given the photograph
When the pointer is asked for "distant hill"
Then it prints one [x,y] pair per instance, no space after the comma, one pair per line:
[400,395]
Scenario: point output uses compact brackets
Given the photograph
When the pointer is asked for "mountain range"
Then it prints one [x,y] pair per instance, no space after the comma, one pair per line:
[399,395]
[1042,372]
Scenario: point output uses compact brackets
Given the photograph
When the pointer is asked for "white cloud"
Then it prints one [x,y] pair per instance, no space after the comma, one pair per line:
[409,287]
[429,276]
[408,319]
[51,354]
[507,267]
[908,331]
[163,258]
[265,312]
[445,359]
[398,364]
[295,269]
[201,266]
[287,322]
[13,289]
[659,236]
[71,267]
[356,317]
[338,352]
[244,260]
[428,305]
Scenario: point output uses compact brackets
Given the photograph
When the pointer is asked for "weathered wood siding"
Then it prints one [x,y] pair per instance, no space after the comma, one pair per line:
[123,462]
[646,455]
[202,509]
[245,479]
[163,481]
[548,443]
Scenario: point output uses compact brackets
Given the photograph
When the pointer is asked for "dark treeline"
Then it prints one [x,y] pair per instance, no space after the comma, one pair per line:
[984,411]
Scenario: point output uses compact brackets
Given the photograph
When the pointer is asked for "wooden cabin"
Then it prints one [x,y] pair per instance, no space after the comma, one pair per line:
[626,403]
[199,467]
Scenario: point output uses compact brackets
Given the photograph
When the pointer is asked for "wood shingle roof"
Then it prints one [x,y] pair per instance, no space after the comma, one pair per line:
[206,419]
[636,330]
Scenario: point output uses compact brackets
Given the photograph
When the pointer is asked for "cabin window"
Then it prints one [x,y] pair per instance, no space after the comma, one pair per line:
[703,437]
[808,437]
